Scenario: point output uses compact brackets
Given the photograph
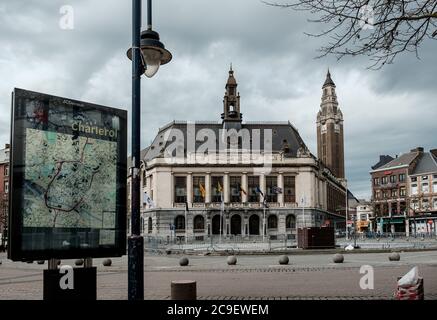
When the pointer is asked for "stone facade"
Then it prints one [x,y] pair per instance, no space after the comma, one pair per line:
[253,176]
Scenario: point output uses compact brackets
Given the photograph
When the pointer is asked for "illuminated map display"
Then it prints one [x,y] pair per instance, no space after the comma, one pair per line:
[68,187]
[72,177]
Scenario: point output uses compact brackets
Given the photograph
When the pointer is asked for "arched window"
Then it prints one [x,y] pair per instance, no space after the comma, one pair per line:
[199,223]
[290,222]
[179,223]
[149,225]
[272,222]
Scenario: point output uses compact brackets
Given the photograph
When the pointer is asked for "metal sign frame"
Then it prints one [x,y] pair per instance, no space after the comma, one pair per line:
[20,248]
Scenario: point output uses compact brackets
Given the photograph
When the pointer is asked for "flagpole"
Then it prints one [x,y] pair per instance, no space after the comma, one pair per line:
[264,221]
[186,224]
[221,216]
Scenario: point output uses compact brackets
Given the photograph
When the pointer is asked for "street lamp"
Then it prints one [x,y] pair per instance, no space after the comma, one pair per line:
[147,54]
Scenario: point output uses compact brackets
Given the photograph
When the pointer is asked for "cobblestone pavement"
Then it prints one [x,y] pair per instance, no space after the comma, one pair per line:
[254,277]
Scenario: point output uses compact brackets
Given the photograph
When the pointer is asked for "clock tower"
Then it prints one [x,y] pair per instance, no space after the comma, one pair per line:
[330,141]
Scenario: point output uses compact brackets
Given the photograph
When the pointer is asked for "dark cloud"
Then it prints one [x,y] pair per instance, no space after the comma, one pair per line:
[386,112]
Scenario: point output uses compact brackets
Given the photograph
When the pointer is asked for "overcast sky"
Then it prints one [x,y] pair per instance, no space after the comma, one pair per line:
[385,112]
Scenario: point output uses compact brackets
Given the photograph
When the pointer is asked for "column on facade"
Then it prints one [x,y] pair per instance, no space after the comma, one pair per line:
[208,187]
[316,191]
[208,224]
[282,229]
[262,186]
[190,188]
[226,187]
[244,185]
[281,185]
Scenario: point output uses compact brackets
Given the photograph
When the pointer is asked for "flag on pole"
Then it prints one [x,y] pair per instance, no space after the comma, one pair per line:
[202,190]
[277,190]
[219,187]
[258,190]
[240,188]
[265,203]
[148,201]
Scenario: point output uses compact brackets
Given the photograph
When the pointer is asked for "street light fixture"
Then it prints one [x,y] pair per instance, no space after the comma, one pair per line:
[147,54]
[153,52]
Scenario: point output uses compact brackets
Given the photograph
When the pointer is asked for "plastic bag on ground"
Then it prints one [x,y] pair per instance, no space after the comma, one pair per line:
[410,278]
[349,247]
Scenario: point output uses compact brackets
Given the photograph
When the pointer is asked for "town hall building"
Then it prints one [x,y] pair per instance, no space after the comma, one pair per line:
[234,178]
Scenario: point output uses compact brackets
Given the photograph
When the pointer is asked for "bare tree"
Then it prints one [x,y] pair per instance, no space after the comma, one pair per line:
[379,29]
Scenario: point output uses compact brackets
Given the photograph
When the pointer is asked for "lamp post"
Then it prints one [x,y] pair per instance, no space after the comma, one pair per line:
[147,54]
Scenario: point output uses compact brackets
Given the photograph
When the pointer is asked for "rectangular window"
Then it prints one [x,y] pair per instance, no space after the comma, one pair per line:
[378,194]
[384,180]
[425,204]
[402,177]
[180,189]
[376,181]
[393,179]
[289,189]
[413,179]
[425,187]
[6,170]
[415,204]
[253,183]
[216,189]
[435,203]
[394,193]
[6,186]
[424,178]
[271,185]
[434,187]
[235,183]
[199,189]
[414,189]
[402,192]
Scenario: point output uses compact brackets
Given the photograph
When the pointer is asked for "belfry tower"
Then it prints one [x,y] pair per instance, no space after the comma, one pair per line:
[232,117]
[330,141]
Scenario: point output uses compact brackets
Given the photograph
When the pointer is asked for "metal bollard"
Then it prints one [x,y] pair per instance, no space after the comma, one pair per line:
[183,290]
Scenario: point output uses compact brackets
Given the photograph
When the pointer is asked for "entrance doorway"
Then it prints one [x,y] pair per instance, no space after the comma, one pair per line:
[236,224]
[254,225]
[216,224]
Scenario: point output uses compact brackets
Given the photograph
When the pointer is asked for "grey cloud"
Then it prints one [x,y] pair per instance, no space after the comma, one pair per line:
[274,64]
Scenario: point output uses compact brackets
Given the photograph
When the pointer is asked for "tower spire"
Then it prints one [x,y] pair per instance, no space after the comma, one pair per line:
[330,142]
[231,102]
[328,81]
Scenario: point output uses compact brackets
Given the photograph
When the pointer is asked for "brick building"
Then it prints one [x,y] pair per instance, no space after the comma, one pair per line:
[403,190]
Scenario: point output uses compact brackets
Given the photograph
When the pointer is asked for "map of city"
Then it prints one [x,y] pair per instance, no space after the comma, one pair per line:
[70,181]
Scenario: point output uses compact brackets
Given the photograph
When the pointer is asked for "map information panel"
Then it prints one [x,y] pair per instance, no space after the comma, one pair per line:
[68,189]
